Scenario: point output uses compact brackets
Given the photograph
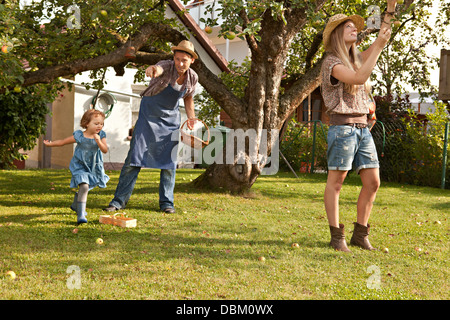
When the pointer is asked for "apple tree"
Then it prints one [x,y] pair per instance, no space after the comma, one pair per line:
[61,38]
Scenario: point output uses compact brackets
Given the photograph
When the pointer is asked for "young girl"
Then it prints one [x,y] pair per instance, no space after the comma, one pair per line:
[87,162]
[345,72]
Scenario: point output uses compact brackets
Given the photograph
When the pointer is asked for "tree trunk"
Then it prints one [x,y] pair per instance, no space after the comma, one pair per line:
[261,108]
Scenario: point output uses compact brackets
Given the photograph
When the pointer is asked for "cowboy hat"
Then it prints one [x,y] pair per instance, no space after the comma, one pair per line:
[335,21]
[186,46]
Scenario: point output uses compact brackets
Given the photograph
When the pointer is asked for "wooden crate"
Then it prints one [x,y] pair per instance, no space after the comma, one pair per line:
[116,220]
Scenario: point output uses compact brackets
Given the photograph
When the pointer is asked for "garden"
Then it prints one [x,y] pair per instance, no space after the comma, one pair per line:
[271,243]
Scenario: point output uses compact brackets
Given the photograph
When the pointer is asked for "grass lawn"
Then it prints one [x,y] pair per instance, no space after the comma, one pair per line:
[210,248]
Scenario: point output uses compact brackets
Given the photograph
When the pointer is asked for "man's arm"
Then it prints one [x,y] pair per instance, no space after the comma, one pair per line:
[190,112]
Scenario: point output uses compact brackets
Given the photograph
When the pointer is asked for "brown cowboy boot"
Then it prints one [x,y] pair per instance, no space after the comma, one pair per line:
[338,238]
[360,236]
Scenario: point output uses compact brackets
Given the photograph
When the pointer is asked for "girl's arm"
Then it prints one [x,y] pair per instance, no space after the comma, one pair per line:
[386,22]
[60,143]
[101,143]
[359,77]
[370,56]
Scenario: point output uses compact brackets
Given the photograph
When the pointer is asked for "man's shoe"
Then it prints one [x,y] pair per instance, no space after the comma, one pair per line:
[169,210]
[110,209]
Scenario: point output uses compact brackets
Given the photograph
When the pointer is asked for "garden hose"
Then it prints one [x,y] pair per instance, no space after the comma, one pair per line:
[110,100]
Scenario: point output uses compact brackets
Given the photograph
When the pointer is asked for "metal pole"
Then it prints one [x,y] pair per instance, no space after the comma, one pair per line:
[444,157]
[313,148]
[282,155]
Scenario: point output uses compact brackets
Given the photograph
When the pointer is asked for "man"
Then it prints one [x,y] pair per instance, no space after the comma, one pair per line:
[152,145]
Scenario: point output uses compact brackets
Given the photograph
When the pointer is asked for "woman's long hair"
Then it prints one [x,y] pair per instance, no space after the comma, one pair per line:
[351,58]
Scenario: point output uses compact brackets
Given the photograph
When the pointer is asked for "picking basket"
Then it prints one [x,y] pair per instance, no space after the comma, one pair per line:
[191,140]
[120,221]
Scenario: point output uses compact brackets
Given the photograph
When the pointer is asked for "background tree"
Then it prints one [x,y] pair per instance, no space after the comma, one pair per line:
[284,38]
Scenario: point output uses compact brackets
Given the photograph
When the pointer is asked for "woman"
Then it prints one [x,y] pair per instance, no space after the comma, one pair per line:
[345,73]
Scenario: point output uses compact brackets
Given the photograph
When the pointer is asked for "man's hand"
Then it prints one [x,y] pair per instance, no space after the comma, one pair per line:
[153,71]
[191,123]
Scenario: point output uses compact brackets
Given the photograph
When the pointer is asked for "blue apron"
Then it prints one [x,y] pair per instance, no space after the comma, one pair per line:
[155,135]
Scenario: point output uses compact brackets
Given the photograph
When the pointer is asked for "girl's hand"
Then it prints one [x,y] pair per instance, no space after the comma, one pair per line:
[96,137]
[384,35]
[391,5]
[48,143]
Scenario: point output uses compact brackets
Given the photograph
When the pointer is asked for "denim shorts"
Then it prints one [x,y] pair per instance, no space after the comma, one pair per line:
[351,148]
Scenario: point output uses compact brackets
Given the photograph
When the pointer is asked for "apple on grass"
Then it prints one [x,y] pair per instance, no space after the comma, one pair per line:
[11,275]
[295,245]
[5,49]
[262,259]
[99,241]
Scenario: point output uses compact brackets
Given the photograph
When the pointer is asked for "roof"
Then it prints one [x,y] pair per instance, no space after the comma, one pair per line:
[199,34]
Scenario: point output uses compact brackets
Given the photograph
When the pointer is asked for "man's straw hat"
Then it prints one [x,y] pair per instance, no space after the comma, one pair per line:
[186,46]
[335,21]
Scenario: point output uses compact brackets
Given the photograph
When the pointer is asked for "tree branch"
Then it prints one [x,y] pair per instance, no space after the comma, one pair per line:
[113,58]
[291,99]
[251,41]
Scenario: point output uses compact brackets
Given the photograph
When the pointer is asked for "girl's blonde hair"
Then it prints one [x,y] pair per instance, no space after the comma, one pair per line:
[351,58]
[88,115]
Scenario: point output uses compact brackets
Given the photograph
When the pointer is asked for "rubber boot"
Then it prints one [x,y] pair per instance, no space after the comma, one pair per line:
[81,212]
[360,237]
[338,238]
[73,206]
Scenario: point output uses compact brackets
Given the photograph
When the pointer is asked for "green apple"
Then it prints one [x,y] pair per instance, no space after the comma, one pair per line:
[104,13]
[17,89]
[262,259]
[208,29]
[99,241]
[295,245]
[230,35]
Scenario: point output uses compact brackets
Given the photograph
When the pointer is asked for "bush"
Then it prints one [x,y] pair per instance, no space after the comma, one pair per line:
[297,146]
[410,148]
[22,121]
[427,147]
